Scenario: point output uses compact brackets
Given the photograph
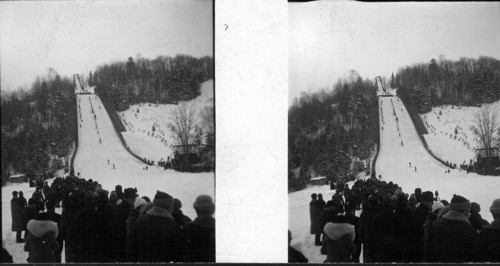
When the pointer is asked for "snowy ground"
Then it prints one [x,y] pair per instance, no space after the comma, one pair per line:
[393,165]
[455,148]
[91,163]
[157,145]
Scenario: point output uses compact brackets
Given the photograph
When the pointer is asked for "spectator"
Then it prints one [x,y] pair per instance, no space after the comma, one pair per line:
[16,209]
[179,217]
[200,233]
[28,214]
[339,237]
[159,238]
[121,214]
[390,233]
[366,232]
[454,238]
[475,219]
[417,224]
[489,237]
[56,218]
[314,212]
[41,242]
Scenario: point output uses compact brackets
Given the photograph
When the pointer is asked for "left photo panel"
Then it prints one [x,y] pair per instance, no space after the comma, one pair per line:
[107,131]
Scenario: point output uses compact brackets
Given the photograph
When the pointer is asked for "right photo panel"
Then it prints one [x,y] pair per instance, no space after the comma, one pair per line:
[394,132]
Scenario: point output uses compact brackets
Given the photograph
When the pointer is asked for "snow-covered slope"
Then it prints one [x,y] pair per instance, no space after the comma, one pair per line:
[139,120]
[91,161]
[441,123]
[398,149]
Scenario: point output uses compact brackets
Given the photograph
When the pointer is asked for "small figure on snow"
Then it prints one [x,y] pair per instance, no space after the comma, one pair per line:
[409,164]
[402,143]
[113,166]
[415,168]
[78,174]
[108,161]
[100,142]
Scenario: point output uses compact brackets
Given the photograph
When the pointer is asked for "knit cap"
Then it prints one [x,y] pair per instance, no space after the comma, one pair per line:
[460,204]
[204,203]
[495,207]
[164,200]
[438,205]
[475,208]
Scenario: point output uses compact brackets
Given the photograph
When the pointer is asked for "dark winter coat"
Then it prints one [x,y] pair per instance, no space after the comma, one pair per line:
[121,215]
[489,242]
[418,217]
[339,239]
[454,238]
[16,210]
[132,236]
[90,230]
[41,241]
[476,221]
[354,220]
[69,230]
[108,252]
[295,256]
[56,218]
[390,236]
[314,212]
[428,245]
[26,215]
[366,233]
[200,237]
[159,237]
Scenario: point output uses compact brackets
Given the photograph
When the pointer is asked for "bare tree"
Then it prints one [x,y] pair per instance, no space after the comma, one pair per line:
[184,125]
[208,124]
[486,127]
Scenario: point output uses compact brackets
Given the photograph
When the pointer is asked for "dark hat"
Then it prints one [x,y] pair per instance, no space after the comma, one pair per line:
[130,193]
[427,196]
[495,207]
[204,203]
[313,195]
[164,200]
[460,204]
[177,204]
[14,193]
[320,196]
[475,208]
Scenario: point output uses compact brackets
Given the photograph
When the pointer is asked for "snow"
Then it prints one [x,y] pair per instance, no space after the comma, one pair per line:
[393,165]
[91,163]
[139,125]
[442,140]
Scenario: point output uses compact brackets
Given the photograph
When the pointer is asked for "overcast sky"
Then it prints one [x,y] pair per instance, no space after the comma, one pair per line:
[326,39]
[75,36]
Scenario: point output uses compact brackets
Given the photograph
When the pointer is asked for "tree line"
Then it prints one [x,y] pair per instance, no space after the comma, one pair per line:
[38,122]
[468,82]
[160,80]
[332,132]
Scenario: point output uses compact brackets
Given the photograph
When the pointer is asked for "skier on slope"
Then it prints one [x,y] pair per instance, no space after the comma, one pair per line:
[113,166]
[108,161]
[415,168]
[100,142]
[402,143]
[409,163]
